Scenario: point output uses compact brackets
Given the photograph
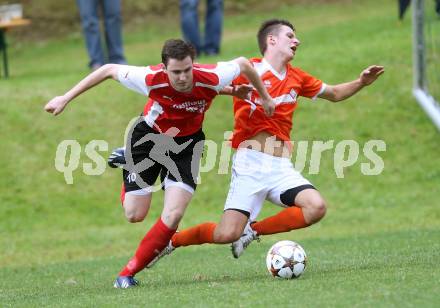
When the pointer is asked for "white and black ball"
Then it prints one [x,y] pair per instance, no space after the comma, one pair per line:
[286,259]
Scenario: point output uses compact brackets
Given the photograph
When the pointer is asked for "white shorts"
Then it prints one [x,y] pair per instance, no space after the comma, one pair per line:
[256,177]
[167,183]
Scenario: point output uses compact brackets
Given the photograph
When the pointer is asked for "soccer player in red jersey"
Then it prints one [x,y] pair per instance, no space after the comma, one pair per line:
[261,168]
[167,139]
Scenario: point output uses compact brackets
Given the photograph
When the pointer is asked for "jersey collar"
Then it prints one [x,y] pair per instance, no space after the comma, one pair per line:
[273,71]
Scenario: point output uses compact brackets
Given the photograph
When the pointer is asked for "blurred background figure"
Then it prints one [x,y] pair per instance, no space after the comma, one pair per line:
[111,13]
[213,25]
[404,4]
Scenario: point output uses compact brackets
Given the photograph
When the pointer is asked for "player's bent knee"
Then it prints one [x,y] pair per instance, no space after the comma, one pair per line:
[136,209]
[318,208]
[321,209]
[134,214]
[312,204]
[227,236]
[134,217]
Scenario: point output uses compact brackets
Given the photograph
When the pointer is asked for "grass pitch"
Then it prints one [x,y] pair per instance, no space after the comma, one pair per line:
[379,245]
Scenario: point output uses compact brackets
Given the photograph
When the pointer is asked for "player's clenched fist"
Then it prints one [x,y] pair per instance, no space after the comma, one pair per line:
[268,106]
[56,105]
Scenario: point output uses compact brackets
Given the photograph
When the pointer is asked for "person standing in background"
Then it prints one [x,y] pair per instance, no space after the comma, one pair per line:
[213,25]
[404,4]
[111,12]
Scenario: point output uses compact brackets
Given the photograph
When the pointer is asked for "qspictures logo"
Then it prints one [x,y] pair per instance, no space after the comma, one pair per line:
[306,158]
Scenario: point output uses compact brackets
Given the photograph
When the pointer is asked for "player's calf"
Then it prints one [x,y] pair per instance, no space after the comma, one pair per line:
[166,251]
[231,226]
[247,237]
[227,236]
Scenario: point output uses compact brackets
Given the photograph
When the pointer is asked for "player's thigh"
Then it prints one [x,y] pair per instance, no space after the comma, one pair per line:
[137,192]
[310,199]
[176,201]
[136,206]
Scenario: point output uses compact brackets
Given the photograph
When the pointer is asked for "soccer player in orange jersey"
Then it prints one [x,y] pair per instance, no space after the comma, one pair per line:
[261,168]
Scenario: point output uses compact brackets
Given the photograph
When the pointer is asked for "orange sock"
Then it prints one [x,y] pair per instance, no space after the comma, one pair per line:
[200,234]
[286,220]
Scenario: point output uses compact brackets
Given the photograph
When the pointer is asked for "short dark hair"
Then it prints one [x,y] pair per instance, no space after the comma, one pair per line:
[177,49]
[271,26]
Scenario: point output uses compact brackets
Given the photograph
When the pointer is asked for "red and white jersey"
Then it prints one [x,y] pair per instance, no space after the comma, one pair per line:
[284,89]
[167,107]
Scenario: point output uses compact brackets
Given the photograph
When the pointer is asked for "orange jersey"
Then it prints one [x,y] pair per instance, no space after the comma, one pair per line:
[249,117]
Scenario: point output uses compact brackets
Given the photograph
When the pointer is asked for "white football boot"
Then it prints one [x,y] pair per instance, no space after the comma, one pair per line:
[243,242]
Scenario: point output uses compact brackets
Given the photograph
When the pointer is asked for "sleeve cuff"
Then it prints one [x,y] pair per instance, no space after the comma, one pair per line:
[320,91]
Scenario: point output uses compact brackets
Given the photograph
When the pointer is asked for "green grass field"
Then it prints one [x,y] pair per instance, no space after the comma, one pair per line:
[379,245]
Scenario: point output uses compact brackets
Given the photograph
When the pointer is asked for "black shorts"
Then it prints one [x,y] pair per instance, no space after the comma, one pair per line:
[149,153]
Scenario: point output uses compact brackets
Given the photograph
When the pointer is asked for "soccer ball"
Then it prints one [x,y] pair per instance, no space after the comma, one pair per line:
[286,259]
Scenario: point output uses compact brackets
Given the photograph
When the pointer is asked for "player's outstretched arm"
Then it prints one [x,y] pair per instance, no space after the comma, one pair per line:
[58,103]
[251,74]
[342,91]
